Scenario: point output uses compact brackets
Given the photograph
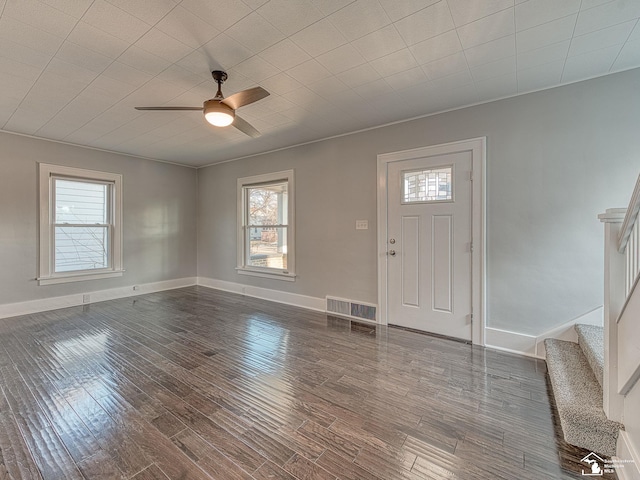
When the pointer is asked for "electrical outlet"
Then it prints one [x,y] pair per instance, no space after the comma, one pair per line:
[86,298]
[362,224]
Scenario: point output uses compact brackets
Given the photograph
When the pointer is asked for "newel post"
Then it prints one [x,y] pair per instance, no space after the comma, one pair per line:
[614,297]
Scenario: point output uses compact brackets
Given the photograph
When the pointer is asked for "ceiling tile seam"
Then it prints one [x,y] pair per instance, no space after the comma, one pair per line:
[483,43]
[213,26]
[554,44]
[573,33]
[328,17]
[76,96]
[511,7]
[178,40]
[122,10]
[546,23]
[368,62]
[420,10]
[151,26]
[255,54]
[623,44]
[283,33]
[122,99]
[466,60]
[271,24]
[132,44]
[85,88]
[61,11]
[325,17]
[133,15]
[45,67]
[408,49]
[607,27]
[165,137]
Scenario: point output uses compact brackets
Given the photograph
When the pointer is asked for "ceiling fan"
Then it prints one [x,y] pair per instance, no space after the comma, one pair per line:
[220,111]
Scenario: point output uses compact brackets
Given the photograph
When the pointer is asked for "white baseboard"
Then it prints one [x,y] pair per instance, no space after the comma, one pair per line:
[54,303]
[533,345]
[626,451]
[512,342]
[304,301]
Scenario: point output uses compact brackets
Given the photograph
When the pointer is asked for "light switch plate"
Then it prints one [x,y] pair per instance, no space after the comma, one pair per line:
[362,224]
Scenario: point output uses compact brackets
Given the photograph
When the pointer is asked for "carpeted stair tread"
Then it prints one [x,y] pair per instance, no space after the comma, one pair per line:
[591,340]
[579,399]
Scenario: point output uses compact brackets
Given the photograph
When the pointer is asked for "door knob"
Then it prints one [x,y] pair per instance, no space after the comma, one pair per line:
[392,253]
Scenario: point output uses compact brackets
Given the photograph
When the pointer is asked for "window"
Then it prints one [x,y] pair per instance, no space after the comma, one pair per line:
[80,224]
[431,185]
[265,226]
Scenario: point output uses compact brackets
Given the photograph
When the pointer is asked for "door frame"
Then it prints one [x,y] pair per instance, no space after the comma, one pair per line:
[477,147]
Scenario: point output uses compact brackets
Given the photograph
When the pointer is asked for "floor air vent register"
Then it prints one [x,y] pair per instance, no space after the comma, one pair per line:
[352,309]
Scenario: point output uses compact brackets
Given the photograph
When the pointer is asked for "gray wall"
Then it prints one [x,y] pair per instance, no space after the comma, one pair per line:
[159,217]
[555,159]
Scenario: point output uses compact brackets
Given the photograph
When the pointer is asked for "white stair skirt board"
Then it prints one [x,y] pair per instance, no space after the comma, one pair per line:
[54,303]
[303,301]
[631,458]
[533,345]
[510,341]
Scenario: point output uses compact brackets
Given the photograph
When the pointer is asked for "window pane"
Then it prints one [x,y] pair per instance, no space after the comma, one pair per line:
[81,248]
[80,202]
[267,204]
[267,247]
[430,185]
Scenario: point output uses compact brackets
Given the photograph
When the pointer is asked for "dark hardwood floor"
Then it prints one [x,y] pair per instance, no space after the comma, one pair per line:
[196,383]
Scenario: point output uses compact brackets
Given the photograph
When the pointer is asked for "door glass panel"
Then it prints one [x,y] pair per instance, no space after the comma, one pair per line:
[430,185]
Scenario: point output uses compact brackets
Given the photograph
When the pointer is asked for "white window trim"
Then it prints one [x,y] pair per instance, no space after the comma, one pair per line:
[289,274]
[46,273]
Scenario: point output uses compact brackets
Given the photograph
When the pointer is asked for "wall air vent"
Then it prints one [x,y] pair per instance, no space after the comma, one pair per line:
[352,309]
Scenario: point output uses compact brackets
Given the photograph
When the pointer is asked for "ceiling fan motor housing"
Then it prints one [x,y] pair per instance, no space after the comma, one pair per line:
[218,113]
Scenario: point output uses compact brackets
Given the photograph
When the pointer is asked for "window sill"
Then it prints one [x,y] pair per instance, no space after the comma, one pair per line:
[78,277]
[287,277]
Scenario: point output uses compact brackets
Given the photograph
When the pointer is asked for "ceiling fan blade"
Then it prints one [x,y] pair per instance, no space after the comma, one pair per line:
[168,108]
[245,97]
[245,127]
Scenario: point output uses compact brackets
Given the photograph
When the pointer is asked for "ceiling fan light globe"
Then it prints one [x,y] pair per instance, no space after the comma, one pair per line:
[219,119]
[218,114]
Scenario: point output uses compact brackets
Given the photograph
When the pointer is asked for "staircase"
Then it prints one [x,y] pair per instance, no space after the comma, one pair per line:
[576,373]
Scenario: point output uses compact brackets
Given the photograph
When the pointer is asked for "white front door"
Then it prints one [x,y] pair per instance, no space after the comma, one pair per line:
[429,242]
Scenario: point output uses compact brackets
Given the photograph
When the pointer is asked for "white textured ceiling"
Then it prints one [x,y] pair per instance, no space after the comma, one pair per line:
[72,70]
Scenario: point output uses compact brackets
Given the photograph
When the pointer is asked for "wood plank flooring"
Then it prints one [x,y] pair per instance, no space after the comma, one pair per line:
[197,383]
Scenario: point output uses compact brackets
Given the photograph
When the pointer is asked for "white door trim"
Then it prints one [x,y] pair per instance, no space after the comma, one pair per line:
[477,147]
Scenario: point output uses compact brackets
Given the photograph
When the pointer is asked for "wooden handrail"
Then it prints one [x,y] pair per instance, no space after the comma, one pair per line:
[630,218]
